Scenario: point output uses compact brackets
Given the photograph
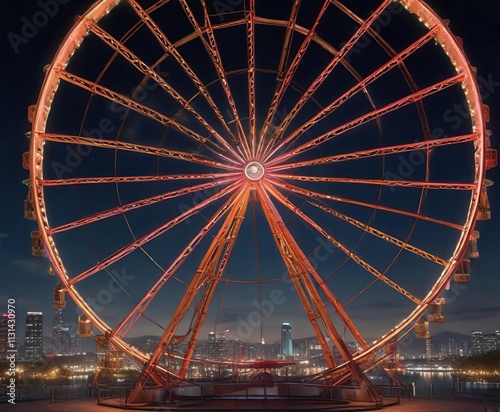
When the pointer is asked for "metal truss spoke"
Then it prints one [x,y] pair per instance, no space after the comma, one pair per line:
[138,204]
[381,151]
[346,48]
[212,270]
[286,79]
[133,179]
[391,183]
[148,71]
[395,61]
[250,17]
[172,51]
[361,262]
[300,267]
[135,314]
[310,193]
[139,108]
[298,274]
[287,43]
[208,273]
[373,115]
[382,235]
[137,148]
[213,51]
[404,69]
[339,309]
[152,235]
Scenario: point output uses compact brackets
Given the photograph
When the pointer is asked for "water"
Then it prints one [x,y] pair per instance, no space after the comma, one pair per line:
[440,384]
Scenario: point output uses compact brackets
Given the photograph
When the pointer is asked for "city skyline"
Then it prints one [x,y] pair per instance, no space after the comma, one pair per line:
[223,346]
[468,305]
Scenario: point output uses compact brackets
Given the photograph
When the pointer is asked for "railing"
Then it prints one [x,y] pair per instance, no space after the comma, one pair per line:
[51,393]
[261,394]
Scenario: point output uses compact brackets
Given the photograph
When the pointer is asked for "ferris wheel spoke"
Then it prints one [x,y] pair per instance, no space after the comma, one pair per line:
[142,67]
[206,277]
[309,193]
[403,67]
[361,262]
[135,314]
[286,79]
[300,268]
[138,204]
[172,51]
[395,61]
[212,269]
[139,108]
[152,235]
[373,115]
[287,44]
[346,48]
[133,179]
[250,17]
[381,151]
[375,182]
[380,234]
[214,54]
[136,148]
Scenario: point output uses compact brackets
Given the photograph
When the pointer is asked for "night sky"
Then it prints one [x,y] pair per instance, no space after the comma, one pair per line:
[473,306]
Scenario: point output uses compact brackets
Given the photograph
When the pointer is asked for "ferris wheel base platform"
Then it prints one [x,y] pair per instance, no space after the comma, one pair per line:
[390,405]
[250,404]
[249,396]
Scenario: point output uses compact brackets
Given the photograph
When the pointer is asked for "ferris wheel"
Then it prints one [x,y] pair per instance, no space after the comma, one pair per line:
[202,165]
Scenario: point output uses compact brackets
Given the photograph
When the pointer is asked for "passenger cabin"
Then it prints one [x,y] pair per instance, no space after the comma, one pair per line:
[37,248]
[473,248]
[31,113]
[29,209]
[436,311]
[102,344]
[26,160]
[422,330]
[59,297]
[84,327]
[491,155]
[462,274]
[484,210]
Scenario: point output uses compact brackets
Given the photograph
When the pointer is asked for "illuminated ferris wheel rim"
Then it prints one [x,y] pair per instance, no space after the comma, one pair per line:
[254,171]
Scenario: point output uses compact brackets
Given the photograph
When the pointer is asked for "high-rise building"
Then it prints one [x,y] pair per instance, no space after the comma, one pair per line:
[491,341]
[61,339]
[477,343]
[218,345]
[286,340]
[3,337]
[33,338]
[428,349]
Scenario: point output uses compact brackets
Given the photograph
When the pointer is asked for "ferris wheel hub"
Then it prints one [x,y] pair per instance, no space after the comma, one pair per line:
[254,171]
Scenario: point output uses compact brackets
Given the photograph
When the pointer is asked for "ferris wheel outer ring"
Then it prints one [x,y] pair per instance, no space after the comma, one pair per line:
[71,43]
